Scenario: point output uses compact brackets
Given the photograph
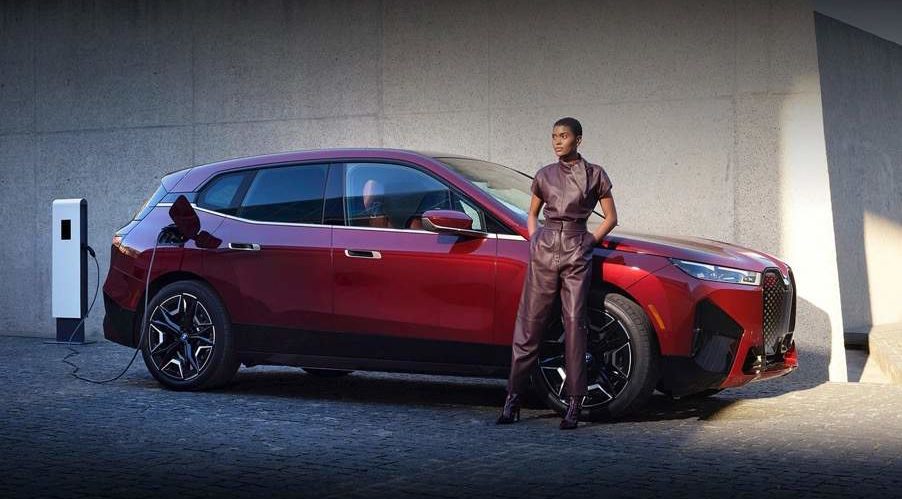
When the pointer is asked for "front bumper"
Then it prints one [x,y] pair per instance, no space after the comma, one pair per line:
[774,367]
[772,353]
[720,335]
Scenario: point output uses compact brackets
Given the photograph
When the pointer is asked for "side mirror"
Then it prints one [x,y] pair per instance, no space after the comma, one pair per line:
[450,222]
[187,223]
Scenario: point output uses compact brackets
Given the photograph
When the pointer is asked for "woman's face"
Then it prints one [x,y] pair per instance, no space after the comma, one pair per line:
[563,141]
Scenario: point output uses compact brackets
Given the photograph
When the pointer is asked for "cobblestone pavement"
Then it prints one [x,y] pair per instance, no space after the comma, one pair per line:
[281,432]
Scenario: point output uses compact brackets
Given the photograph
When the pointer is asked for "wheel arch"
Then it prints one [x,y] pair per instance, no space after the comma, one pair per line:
[606,287]
[640,388]
[155,286]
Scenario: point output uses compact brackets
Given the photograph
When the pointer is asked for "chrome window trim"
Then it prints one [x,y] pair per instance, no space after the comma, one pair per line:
[312,161]
[344,160]
[489,235]
[247,220]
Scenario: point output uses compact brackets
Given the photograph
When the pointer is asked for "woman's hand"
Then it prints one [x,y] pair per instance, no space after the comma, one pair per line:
[610,218]
[532,221]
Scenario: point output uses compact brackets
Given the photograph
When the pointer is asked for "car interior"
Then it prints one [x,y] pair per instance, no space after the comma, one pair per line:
[394,201]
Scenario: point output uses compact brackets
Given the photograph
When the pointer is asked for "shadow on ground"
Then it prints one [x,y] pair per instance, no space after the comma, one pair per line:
[447,391]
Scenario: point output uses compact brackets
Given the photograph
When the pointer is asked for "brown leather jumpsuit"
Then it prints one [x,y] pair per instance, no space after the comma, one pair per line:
[560,257]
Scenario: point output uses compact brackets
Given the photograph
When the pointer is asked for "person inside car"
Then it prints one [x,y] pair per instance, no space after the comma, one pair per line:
[374,205]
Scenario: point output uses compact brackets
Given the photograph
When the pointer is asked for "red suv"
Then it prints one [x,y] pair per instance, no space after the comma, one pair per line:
[392,260]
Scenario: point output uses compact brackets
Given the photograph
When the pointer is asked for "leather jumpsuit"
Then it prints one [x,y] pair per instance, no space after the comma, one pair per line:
[560,257]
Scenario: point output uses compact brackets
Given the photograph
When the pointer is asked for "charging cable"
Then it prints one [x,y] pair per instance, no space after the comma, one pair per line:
[73,352]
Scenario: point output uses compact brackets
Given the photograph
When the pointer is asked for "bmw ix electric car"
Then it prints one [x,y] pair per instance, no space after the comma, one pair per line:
[338,260]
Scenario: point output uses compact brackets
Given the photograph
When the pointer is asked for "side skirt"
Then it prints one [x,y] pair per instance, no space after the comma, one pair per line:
[364,352]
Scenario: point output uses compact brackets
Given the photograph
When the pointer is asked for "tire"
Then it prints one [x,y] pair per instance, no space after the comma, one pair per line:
[326,373]
[622,363]
[164,346]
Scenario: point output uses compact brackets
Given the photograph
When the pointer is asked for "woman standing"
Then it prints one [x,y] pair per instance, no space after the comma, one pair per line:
[560,257]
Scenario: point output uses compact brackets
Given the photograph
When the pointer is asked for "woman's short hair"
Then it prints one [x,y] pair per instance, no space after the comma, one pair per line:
[571,123]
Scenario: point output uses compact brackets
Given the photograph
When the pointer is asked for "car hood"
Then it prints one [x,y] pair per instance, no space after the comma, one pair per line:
[694,248]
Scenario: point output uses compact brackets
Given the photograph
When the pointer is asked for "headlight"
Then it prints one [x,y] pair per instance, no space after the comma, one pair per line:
[717,273]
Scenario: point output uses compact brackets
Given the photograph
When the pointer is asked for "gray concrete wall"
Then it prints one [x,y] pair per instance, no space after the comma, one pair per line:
[861,78]
[706,114]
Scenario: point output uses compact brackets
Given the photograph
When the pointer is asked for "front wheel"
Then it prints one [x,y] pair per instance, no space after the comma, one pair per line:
[621,360]
[188,339]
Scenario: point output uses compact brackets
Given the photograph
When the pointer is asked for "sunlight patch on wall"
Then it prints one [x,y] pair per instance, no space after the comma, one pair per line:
[882,248]
[807,239]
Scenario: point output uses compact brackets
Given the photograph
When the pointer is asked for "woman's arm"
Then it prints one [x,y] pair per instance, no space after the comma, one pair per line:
[532,221]
[610,217]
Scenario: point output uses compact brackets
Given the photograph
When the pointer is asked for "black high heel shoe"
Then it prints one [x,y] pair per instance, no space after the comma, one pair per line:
[511,410]
[570,419]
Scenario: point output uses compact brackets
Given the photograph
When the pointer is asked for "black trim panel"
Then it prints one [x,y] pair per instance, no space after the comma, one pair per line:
[715,338]
[284,346]
[358,364]
[333,205]
[683,376]
[118,323]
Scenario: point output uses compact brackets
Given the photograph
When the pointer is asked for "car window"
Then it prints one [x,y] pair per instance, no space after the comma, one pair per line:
[507,185]
[475,213]
[220,194]
[391,196]
[150,203]
[286,194]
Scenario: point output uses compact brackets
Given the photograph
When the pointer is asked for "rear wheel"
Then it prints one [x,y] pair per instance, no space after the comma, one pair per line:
[621,360]
[188,339]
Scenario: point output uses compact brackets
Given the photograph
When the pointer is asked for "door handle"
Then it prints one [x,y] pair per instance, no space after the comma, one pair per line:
[363,254]
[244,246]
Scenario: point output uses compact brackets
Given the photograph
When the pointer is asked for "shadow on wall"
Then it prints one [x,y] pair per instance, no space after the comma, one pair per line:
[807,238]
[861,122]
[813,343]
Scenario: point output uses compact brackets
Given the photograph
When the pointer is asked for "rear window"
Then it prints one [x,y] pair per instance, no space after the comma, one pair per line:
[170,179]
[150,203]
[223,193]
[286,194]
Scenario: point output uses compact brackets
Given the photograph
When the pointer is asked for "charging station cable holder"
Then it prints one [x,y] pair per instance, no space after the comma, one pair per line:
[69,273]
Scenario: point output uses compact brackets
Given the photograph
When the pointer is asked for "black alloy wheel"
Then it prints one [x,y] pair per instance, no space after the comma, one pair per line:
[188,343]
[621,360]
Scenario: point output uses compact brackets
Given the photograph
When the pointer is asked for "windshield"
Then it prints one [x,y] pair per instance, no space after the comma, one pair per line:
[503,183]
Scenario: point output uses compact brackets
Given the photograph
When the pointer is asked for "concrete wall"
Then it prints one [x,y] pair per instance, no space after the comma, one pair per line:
[861,77]
[706,114]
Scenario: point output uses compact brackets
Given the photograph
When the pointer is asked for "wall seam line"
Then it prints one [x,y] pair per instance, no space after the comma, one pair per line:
[381,115]
[35,145]
[193,18]
[734,167]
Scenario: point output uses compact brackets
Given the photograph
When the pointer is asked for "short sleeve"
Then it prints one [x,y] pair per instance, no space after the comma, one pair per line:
[536,187]
[604,184]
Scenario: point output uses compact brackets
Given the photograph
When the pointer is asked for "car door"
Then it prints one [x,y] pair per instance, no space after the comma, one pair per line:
[403,292]
[273,268]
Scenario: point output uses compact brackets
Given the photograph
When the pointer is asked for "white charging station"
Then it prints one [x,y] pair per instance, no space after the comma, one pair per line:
[69,274]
